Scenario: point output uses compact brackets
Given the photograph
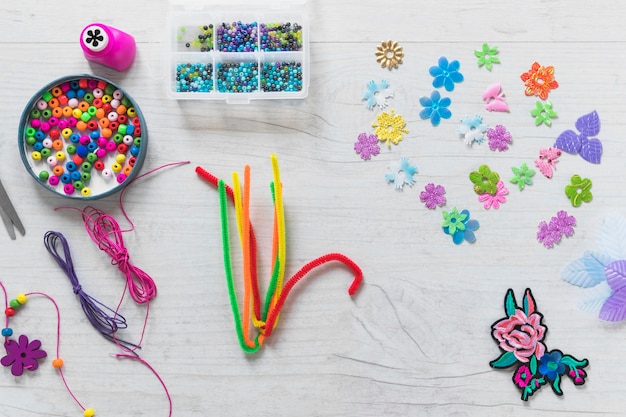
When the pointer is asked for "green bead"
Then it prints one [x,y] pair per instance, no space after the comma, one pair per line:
[88,97]
[45,152]
[78,185]
[137,141]
[92,157]
[118,138]
[109,89]
[86,166]
[46,114]
[30,132]
[47,96]
[92,110]
[35,113]
[71,149]
[85,117]
[14,304]
[44,175]
[126,102]
[86,177]
[121,129]
[30,141]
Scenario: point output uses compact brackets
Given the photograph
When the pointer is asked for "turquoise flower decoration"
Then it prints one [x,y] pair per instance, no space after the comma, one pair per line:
[435,108]
[446,73]
[459,226]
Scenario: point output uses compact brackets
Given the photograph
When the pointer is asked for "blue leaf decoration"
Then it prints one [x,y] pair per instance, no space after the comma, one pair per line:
[589,124]
[587,271]
[510,305]
[590,150]
[594,298]
[568,141]
[612,240]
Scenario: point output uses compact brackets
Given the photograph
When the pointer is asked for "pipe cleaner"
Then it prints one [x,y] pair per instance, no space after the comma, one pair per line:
[520,336]
[263,319]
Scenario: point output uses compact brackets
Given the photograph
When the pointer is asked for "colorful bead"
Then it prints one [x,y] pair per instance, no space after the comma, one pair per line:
[237,77]
[89,412]
[280,37]
[194,78]
[57,363]
[53,180]
[43,175]
[21,298]
[14,304]
[237,37]
[121,178]
[68,189]
[86,191]
[9,312]
[7,332]
[281,76]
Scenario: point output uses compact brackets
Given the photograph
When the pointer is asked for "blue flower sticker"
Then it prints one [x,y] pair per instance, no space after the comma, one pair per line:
[435,108]
[446,73]
[459,226]
[550,365]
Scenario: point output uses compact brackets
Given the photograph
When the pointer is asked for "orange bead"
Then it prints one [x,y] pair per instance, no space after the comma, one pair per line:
[57,112]
[104,122]
[80,125]
[83,106]
[121,109]
[100,113]
[57,363]
[106,132]
[56,91]
[127,170]
[67,111]
[57,145]
[58,170]
[53,102]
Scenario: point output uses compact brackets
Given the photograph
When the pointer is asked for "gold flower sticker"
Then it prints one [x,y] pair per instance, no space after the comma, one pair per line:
[389,54]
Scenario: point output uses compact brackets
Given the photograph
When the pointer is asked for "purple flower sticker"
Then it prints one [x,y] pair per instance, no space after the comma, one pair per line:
[433,196]
[367,146]
[22,355]
[499,138]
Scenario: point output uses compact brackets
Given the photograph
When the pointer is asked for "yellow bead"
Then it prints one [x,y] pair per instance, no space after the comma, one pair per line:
[57,363]
[67,132]
[21,298]
[36,155]
[116,167]
[60,156]
[120,158]
[77,113]
[89,412]
[86,191]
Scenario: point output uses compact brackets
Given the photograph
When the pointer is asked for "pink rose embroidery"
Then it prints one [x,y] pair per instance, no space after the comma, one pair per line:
[521,335]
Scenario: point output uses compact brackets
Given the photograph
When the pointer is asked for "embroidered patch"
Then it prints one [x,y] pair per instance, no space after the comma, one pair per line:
[583,143]
[520,335]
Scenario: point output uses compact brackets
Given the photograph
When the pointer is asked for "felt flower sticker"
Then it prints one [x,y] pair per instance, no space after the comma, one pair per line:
[377,94]
[446,73]
[579,190]
[499,138]
[472,130]
[539,81]
[601,272]
[583,143]
[487,56]
[435,108]
[494,97]
[496,199]
[520,335]
[401,174]
[22,354]
[389,54]
[389,127]
[543,113]
[433,196]
[551,232]
[547,161]
[367,146]
[459,226]
[522,176]
[485,180]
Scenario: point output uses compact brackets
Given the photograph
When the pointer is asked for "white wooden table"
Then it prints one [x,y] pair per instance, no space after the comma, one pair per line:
[415,340]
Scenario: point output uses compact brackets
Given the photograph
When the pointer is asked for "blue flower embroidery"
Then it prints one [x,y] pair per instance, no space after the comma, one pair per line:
[446,73]
[435,108]
[550,365]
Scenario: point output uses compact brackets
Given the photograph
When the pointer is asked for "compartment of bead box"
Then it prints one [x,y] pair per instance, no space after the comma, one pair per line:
[238,57]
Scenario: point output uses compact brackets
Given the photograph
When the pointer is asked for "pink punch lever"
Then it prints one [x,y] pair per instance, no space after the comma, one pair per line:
[108,46]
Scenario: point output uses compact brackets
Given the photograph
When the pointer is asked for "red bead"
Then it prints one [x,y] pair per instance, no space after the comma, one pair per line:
[77,160]
[102,85]
[122,118]
[92,125]
[97,102]
[63,99]
[98,165]
[9,312]
[136,121]
[137,131]
[121,148]
[82,83]
[132,161]
[54,134]
[114,125]
[107,108]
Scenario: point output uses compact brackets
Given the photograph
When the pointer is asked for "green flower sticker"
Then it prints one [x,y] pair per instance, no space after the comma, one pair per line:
[543,113]
[579,190]
[485,181]
[487,56]
[522,176]
[453,220]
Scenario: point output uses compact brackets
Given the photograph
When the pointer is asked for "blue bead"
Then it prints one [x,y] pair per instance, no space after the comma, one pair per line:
[81,150]
[7,332]
[38,146]
[94,135]
[134,150]
[130,129]
[74,138]
[75,176]
[66,178]
[92,146]
[39,135]
[71,94]
[74,85]
[80,93]
[70,166]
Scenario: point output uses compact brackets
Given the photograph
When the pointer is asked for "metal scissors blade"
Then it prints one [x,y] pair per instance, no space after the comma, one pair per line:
[9,215]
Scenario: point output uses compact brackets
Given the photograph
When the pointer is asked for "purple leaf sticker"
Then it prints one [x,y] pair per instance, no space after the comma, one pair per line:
[591,150]
[589,124]
[568,141]
[614,308]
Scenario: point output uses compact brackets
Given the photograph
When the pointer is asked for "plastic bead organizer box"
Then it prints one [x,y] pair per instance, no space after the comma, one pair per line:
[238,56]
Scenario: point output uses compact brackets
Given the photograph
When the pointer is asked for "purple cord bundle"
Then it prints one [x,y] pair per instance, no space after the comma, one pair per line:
[104,319]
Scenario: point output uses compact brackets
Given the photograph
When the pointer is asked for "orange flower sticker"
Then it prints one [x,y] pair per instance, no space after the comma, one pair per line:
[539,81]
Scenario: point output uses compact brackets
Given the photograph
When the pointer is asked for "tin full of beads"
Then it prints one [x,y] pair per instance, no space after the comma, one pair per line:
[238,56]
[96,119]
